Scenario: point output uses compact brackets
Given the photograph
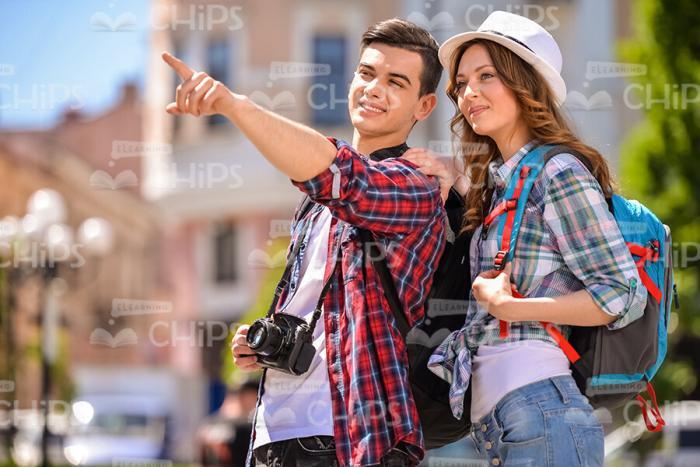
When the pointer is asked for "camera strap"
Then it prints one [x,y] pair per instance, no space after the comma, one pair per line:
[284,281]
[319,305]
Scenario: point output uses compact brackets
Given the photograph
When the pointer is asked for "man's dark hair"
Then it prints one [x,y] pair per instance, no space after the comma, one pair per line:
[408,36]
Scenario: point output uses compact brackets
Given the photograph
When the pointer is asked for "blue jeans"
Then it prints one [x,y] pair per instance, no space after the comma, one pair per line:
[546,423]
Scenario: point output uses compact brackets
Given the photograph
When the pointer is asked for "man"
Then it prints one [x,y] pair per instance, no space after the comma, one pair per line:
[224,435]
[354,405]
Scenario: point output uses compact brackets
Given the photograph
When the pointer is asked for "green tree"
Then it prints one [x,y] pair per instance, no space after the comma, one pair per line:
[661,168]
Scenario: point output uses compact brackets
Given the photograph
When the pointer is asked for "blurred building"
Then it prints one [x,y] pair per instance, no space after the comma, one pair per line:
[100,349]
[193,204]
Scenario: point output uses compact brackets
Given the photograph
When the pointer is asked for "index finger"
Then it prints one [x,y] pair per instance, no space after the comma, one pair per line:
[178,65]
[241,340]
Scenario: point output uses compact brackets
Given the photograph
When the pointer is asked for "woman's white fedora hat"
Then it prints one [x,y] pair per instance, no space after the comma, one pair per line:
[525,38]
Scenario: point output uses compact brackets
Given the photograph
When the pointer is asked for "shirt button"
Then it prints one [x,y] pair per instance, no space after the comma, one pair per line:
[496,461]
[488,445]
[484,428]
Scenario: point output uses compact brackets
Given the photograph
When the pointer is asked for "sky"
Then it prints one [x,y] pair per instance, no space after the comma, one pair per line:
[60,54]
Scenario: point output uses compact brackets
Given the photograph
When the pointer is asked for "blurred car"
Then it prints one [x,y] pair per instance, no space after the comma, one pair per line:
[680,439]
[109,428]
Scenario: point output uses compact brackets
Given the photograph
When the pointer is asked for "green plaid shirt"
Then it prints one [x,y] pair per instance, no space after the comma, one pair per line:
[568,241]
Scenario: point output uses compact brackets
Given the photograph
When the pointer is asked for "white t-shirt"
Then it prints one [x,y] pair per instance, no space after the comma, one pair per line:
[300,406]
[501,368]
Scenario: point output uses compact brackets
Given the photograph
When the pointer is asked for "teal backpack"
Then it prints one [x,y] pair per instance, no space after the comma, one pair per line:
[610,366]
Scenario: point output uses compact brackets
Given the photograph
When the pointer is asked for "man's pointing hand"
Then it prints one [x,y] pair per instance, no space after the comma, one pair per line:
[199,94]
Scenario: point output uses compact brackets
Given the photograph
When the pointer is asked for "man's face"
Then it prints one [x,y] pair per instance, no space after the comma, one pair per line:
[384,94]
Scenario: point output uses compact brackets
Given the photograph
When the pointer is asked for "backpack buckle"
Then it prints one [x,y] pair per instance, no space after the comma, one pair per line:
[654,246]
[511,204]
[499,260]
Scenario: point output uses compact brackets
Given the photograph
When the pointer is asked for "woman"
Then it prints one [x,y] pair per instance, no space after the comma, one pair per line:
[570,263]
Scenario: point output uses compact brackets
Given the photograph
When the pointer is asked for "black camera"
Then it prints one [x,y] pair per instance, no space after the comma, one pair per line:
[283,342]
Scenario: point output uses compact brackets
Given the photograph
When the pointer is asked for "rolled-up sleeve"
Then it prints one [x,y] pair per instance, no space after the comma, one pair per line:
[590,242]
[388,197]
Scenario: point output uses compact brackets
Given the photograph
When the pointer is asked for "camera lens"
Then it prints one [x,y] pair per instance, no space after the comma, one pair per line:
[257,337]
[264,337]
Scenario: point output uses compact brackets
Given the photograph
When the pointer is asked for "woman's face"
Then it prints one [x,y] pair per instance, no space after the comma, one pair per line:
[490,107]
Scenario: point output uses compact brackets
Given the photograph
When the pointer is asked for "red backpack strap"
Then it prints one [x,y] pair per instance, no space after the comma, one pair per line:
[504,206]
[659,422]
[555,334]
[646,253]
[499,260]
[561,341]
[508,206]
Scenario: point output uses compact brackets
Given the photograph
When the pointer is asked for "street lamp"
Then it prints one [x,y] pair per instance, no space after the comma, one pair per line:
[45,223]
[96,234]
[47,207]
[9,230]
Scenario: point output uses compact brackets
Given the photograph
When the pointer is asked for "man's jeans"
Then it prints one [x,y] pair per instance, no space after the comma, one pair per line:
[546,423]
[315,451]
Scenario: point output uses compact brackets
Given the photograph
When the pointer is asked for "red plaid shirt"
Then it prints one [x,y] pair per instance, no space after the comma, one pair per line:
[373,408]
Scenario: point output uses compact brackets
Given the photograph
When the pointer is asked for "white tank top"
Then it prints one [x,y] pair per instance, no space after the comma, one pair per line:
[300,406]
[501,368]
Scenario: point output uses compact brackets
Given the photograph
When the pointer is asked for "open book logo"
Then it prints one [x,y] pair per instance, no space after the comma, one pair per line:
[577,101]
[101,21]
[442,20]
[126,336]
[262,259]
[284,100]
[101,180]
[420,337]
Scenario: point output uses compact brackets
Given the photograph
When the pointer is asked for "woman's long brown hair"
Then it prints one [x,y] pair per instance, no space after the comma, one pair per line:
[539,112]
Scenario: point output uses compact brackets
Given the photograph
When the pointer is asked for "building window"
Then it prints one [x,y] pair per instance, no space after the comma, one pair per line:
[225,257]
[329,92]
[218,56]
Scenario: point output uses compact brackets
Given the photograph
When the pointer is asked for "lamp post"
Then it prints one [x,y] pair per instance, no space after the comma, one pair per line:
[44,224]
[9,228]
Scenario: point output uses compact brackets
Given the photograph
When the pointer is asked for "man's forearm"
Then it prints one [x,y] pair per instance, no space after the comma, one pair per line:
[298,151]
